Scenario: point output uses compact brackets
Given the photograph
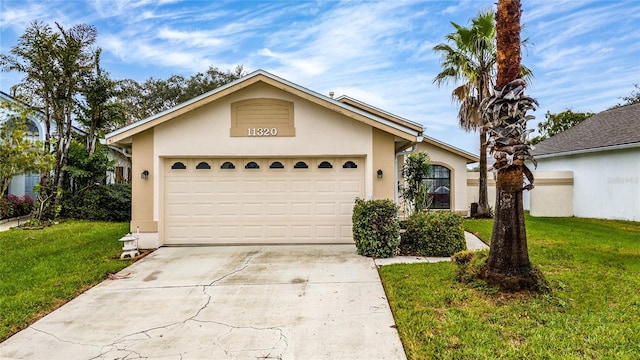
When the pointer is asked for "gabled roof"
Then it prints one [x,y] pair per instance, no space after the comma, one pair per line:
[468,156]
[617,128]
[408,131]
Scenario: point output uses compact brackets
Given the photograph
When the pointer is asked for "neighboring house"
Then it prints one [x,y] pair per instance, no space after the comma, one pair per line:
[23,184]
[263,160]
[121,173]
[603,152]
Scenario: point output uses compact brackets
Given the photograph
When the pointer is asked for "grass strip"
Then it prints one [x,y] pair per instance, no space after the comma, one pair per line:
[42,269]
[593,310]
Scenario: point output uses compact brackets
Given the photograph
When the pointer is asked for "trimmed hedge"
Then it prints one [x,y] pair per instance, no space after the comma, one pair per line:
[376,229]
[102,203]
[434,233]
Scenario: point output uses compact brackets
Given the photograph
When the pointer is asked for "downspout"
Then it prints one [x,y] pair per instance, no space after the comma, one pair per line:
[419,139]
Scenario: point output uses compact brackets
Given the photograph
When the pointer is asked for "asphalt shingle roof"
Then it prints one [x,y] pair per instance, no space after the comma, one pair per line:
[614,127]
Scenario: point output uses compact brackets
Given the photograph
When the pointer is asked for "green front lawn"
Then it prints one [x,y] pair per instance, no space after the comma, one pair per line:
[42,269]
[593,310]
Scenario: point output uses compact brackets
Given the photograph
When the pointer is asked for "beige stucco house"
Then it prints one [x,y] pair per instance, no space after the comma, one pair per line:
[263,160]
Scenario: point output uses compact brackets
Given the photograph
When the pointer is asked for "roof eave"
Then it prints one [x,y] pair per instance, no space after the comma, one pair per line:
[588,151]
[471,158]
[392,127]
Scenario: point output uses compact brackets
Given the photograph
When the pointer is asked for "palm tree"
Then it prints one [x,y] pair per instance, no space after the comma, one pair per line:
[505,117]
[469,56]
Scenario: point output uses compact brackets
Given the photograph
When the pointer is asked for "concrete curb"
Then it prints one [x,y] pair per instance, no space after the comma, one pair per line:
[473,243]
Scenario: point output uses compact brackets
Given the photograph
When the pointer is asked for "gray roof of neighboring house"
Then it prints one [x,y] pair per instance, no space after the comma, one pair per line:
[611,129]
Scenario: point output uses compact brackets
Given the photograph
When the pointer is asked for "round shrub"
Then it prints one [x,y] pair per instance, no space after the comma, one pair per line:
[435,233]
[376,229]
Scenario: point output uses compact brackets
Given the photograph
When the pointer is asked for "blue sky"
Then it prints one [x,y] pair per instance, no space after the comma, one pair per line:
[585,55]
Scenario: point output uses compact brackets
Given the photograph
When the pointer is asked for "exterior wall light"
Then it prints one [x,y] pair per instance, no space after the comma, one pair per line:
[145,175]
[379,173]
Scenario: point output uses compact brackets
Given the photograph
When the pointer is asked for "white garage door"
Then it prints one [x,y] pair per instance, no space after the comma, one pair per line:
[221,201]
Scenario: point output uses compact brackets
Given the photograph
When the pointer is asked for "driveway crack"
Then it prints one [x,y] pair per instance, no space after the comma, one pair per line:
[244,266]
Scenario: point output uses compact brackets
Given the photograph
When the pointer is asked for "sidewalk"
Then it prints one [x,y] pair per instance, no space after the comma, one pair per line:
[473,243]
[6,225]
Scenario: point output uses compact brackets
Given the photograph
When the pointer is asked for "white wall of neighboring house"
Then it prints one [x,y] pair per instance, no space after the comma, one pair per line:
[606,184]
[122,166]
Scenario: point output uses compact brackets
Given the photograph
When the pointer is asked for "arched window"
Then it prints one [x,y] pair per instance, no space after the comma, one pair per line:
[252,165]
[32,131]
[301,165]
[325,165]
[349,165]
[178,166]
[227,166]
[276,165]
[439,184]
[203,166]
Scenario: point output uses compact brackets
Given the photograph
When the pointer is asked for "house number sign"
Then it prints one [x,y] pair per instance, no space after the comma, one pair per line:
[262,131]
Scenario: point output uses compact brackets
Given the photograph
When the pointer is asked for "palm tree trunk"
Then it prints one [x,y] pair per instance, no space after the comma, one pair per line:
[508,41]
[508,264]
[483,199]
[508,254]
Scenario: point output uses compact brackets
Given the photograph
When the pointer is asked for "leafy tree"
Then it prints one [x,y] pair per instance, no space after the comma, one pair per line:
[506,116]
[56,64]
[557,123]
[156,95]
[634,98]
[415,171]
[18,153]
[99,110]
[86,170]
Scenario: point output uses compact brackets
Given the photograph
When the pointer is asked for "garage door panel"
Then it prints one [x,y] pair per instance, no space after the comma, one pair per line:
[228,233]
[202,187]
[326,186]
[179,210]
[228,209]
[350,187]
[277,209]
[346,209]
[326,209]
[225,187]
[301,231]
[301,209]
[263,205]
[277,187]
[202,211]
[277,231]
[252,232]
[326,232]
[301,187]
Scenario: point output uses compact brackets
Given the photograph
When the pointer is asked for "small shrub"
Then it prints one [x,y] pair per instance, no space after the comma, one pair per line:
[6,208]
[376,229]
[21,205]
[435,233]
[102,203]
[27,205]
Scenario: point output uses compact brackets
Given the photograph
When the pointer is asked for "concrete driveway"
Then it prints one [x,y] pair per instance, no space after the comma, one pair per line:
[225,302]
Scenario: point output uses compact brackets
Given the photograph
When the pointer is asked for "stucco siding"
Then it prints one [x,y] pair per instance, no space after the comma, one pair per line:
[206,131]
[473,183]
[606,184]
